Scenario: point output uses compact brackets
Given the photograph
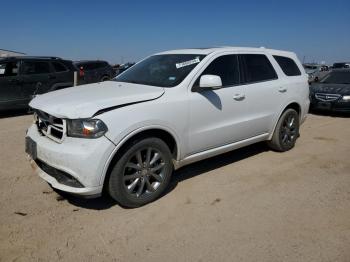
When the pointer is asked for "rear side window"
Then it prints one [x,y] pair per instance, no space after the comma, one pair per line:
[102,64]
[289,67]
[59,67]
[8,69]
[226,67]
[91,65]
[257,67]
[33,68]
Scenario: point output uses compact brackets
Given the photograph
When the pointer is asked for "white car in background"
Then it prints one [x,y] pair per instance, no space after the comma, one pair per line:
[169,110]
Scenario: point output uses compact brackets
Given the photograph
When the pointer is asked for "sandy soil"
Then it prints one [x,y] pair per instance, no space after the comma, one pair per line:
[249,205]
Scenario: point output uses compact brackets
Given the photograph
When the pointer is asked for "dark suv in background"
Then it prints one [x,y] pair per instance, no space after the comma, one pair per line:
[341,65]
[94,71]
[23,77]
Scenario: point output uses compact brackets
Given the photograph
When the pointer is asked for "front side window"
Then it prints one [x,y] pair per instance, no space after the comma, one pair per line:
[34,68]
[257,68]
[161,70]
[8,69]
[288,66]
[226,67]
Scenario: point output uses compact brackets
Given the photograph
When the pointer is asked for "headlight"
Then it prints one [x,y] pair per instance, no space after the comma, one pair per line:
[346,98]
[86,128]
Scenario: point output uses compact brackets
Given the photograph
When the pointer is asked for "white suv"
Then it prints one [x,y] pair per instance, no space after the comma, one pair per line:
[173,108]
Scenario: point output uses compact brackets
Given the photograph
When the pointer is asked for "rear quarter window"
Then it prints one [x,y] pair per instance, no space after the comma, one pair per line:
[288,66]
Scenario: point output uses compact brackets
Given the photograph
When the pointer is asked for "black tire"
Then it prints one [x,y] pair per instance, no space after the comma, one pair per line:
[136,162]
[286,131]
[104,78]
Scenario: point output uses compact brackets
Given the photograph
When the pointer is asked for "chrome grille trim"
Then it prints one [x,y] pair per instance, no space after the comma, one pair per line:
[327,97]
[50,126]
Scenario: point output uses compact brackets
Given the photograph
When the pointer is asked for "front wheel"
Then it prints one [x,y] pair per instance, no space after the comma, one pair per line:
[286,131]
[142,173]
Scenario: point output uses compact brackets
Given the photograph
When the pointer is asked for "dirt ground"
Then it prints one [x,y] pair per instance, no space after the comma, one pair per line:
[248,205]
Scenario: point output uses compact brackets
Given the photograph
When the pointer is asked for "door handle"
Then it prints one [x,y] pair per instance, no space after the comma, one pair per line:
[238,97]
[282,89]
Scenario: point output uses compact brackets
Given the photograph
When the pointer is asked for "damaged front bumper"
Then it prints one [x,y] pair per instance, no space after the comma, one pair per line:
[75,166]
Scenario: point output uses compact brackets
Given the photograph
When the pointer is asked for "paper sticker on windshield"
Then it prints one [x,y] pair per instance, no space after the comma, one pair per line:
[187,63]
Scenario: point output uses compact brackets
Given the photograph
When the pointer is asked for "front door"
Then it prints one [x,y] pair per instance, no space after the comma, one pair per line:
[218,117]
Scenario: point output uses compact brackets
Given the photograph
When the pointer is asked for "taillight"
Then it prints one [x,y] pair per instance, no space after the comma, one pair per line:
[81,71]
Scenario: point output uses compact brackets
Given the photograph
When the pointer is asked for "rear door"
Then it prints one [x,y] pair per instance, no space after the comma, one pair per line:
[36,78]
[10,84]
[62,75]
[262,89]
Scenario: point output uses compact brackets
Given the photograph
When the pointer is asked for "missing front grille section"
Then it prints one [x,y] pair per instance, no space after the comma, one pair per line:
[56,133]
[61,176]
[49,126]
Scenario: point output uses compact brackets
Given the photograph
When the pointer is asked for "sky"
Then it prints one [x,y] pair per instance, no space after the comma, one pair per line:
[122,31]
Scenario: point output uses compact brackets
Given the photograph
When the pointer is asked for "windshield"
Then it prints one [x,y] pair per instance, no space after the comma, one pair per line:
[340,77]
[161,70]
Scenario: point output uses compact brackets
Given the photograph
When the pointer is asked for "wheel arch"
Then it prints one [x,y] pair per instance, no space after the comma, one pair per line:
[105,75]
[293,105]
[167,136]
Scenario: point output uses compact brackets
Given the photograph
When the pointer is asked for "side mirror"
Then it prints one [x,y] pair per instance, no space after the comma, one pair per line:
[210,82]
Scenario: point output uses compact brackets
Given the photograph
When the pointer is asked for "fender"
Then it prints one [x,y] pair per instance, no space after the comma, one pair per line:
[279,116]
[133,133]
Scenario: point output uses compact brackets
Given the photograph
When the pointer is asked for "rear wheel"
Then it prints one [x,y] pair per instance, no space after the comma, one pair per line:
[286,131]
[104,78]
[142,173]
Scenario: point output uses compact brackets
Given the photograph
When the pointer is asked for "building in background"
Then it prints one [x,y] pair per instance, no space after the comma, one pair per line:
[5,53]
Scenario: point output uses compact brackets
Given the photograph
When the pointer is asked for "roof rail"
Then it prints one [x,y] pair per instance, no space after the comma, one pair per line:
[31,57]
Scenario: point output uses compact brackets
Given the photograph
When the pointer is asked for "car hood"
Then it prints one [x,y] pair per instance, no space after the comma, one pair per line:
[86,100]
[342,89]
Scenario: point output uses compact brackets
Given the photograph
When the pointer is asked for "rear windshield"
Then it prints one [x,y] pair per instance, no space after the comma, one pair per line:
[161,70]
[337,77]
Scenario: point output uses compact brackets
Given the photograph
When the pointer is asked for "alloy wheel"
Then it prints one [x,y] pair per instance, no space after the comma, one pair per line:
[144,172]
[289,130]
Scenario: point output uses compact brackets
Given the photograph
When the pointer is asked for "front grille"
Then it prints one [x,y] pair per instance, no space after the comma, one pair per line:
[327,97]
[50,126]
